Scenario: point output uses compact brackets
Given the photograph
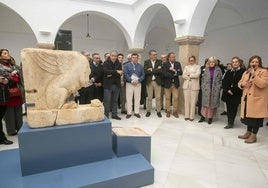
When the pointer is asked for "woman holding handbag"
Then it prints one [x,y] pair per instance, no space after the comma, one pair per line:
[13,115]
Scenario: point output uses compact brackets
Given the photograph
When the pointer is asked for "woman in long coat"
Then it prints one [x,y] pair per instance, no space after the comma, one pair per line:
[4,97]
[13,116]
[211,86]
[231,92]
[254,101]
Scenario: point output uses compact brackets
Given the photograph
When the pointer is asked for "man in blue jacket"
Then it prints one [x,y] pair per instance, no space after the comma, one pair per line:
[134,75]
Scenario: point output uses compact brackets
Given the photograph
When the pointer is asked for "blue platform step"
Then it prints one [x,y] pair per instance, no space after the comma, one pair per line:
[56,147]
[125,172]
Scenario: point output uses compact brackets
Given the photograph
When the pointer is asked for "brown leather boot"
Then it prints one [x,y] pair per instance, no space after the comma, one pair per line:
[245,136]
[251,139]
[168,114]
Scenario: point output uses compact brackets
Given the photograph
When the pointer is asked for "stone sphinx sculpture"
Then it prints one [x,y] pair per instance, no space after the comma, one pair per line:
[50,78]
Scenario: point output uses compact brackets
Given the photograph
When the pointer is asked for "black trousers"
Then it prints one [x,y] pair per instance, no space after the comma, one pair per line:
[13,119]
[98,93]
[2,113]
[231,111]
[253,124]
[86,94]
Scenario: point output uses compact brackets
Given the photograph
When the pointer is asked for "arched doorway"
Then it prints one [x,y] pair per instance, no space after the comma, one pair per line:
[15,33]
[105,36]
[159,33]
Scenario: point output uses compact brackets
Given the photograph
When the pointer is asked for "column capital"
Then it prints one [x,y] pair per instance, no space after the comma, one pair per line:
[135,50]
[190,40]
[50,46]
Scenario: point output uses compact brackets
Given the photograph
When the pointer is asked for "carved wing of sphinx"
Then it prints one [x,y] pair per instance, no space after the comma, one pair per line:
[55,69]
[49,63]
[54,75]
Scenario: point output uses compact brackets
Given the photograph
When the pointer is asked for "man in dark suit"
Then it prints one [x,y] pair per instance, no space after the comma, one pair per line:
[96,77]
[153,71]
[111,83]
[84,92]
[171,71]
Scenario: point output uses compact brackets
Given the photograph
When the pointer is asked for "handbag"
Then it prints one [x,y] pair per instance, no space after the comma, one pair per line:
[14,92]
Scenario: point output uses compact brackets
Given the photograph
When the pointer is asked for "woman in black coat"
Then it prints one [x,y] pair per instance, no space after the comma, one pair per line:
[4,97]
[231,92]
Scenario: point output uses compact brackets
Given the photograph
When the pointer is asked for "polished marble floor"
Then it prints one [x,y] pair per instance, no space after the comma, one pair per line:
[198,155]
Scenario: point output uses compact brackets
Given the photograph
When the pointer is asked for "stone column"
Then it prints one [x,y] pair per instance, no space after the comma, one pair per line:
[138,51]
[188,46]
[50,46]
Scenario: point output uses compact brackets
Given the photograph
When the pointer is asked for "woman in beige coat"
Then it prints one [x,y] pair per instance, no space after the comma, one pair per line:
[254,101]
[191,74]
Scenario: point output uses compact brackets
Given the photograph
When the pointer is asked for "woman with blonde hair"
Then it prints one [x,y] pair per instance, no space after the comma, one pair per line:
[254,100]
[211,86]
[191,74]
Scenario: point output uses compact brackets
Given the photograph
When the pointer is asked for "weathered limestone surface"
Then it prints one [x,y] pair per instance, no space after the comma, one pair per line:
[50,78]
[129,131]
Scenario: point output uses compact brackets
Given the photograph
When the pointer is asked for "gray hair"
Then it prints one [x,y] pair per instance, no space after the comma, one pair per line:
[150,52]
[214,59]
[83,52]
[114,51]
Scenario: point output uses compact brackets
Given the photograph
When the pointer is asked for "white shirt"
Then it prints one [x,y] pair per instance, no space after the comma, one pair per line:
[153,62]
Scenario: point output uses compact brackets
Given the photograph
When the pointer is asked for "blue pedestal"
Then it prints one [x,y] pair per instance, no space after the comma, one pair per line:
[51,148]
[125,172]
[124,145]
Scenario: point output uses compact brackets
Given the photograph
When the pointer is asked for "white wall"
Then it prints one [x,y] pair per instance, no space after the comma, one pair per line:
[228,34]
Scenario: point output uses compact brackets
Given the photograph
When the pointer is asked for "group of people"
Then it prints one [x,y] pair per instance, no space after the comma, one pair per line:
[114,78]
[240,84]
[201,85]
[126,79]
[11,99]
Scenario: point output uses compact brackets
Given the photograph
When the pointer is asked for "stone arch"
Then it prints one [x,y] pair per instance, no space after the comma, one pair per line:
[20,16]
[144,23]
[16,33]
[200,17]
[233,17]
[106,16]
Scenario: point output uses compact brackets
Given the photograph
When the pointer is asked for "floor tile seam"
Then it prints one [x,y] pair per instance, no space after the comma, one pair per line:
[169,169]
[259,165]
[195,177]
